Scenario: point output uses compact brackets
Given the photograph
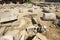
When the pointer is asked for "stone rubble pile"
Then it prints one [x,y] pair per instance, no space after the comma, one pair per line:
[26,21]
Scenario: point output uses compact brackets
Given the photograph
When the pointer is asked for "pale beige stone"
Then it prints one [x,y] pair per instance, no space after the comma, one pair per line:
[40,36]
[49,16]
[7,37]
[2,30]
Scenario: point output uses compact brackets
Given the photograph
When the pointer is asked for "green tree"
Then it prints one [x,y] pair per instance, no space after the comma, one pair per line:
[29,1]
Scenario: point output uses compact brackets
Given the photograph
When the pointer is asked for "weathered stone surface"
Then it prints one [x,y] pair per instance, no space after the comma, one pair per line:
[13,32]
[7,37]
[11,14]
[49,16]
[24,13]
[2,30]
[23,35]
[41,37]
[31,28]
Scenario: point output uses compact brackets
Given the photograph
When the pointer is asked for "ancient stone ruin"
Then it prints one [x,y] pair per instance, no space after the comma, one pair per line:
[30,21]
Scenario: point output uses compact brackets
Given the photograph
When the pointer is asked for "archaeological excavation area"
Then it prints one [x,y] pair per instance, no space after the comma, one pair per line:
[30,21]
